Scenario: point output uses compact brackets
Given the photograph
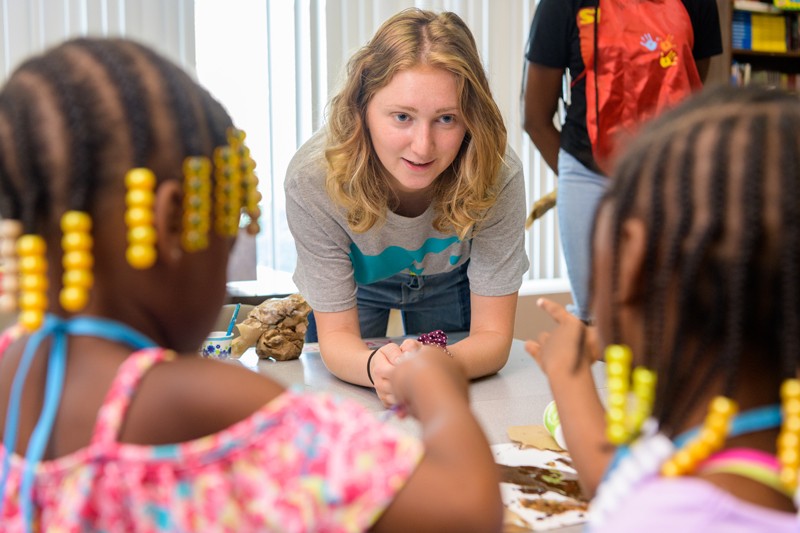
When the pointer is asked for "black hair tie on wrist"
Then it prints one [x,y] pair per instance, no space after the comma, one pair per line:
[369,361]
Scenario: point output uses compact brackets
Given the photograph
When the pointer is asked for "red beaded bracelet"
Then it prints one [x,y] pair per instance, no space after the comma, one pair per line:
[435,338]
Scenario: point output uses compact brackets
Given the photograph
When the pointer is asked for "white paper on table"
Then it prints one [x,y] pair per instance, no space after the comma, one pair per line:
[514,497]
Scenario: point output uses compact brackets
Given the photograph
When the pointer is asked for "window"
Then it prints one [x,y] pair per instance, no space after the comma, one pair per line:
[274,63]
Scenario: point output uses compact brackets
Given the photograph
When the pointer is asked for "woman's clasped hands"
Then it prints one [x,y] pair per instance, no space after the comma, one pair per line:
[414,357]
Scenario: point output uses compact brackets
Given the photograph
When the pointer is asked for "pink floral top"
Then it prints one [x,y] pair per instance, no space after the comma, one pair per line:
[303,462]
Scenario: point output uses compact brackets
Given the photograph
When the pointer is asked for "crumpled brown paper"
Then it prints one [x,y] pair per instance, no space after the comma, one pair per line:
[276,326]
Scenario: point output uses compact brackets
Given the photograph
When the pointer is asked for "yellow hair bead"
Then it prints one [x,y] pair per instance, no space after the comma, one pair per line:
[77,260]
[138,216]
[32,264]
[196,203]
[33,300]
[788,445]
[139,200]
[235,135]
[249,181]
[37,283]
[618,360]
[31,245]
[78,278]
[142,235]
[141,256]
[76,221]
[140,178]
[223,171]
[31,320]
[644,385]
[74,298]
[78,240]
[670,469]
[711,437]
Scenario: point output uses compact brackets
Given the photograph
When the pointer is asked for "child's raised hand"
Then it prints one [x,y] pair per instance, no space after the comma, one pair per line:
[567,346]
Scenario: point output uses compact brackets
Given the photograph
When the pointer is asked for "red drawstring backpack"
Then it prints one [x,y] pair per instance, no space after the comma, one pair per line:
[644,65]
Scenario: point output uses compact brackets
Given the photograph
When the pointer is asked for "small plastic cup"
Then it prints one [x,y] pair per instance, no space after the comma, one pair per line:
[217,345]
[553,424]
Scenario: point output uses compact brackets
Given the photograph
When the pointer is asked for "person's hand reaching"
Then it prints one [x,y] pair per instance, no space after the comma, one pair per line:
[424,374]
[382,367]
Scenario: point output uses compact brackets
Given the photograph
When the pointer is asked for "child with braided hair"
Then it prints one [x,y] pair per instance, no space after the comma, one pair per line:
[696,255]
[122,183]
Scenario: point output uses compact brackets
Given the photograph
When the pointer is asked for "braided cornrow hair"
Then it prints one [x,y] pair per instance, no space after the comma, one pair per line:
[74,119]
[716,182]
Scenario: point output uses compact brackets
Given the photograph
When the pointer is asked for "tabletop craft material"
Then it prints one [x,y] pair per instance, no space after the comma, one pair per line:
[276,326]
[539,488]
[535,436]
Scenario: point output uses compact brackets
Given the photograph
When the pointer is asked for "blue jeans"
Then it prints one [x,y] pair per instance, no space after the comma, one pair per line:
[426,303]
[579,192]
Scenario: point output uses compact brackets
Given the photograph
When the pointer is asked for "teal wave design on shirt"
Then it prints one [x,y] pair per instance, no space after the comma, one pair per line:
[395,259]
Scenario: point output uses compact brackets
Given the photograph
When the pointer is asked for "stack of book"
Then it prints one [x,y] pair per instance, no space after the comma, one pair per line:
[762,27]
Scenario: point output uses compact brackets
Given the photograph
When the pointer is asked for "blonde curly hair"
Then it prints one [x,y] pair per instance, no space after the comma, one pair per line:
[357,181]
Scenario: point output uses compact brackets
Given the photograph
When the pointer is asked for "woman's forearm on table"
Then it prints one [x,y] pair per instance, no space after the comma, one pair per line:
[482,353]
[345,356]
[485,351]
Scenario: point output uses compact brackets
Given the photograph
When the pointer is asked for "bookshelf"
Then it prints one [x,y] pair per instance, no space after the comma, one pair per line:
[765,43]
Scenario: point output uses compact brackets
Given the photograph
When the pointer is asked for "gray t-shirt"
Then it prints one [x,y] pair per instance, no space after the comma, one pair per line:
[332,259]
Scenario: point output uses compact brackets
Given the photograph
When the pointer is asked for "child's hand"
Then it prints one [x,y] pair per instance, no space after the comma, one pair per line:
[568,346]
[425,374]
[383,364]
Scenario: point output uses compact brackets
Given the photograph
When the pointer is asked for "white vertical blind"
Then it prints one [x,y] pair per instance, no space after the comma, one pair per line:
[275,63]
[30,26]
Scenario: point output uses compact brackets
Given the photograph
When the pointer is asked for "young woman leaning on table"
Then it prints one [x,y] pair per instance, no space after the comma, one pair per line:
[410,198]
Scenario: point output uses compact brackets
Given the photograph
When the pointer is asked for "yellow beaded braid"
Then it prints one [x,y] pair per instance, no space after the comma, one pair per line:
[139,200]
[10,230]
[196,203]
[622,424]
[252,196]
[789,438]
[644,389]
[711,437]
[33,280]
[618,364]
[227,193]
[248,178]
[77,260]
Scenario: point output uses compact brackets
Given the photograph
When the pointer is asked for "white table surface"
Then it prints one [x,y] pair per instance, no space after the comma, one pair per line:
[515,396]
